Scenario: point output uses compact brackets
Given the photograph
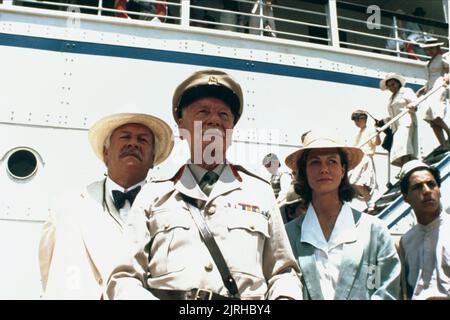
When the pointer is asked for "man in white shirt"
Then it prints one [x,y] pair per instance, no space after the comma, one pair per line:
[425,249]
[84,234]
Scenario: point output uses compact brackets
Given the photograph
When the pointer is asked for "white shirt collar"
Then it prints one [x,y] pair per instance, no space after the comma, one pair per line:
[344,229]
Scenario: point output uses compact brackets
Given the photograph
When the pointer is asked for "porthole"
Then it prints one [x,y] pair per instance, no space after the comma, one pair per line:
[22,164]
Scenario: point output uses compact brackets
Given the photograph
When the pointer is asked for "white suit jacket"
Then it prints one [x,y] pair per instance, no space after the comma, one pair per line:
[81,243]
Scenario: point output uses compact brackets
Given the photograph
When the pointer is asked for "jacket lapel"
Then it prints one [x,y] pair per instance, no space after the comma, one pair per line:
[307,262]
[100,230]
[351,261]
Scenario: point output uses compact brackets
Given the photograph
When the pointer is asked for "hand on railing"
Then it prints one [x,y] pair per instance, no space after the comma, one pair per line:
[412,108]
[421,91]
[446,79]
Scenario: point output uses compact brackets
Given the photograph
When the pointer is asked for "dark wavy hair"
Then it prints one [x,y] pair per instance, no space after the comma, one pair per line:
[301,186]
[404,183]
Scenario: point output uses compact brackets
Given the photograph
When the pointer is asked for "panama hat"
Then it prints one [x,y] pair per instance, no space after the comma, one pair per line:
[412,165]
[208,83]
[390,76]
[105,126]
[291,197]
[315,140]
[431,42]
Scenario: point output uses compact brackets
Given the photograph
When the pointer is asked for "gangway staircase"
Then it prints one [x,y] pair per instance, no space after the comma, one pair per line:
[391,207]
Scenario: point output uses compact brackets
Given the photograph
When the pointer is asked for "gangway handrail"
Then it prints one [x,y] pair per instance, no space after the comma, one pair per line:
[404,112]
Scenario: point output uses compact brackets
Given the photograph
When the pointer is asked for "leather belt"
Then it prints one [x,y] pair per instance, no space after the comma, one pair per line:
[194,294]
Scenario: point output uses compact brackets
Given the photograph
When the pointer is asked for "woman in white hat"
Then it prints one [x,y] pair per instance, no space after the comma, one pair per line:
[343,253]
[437,73]
[405,146]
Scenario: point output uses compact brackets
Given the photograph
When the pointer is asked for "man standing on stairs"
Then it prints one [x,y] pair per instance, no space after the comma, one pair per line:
[425,249]
[214,230]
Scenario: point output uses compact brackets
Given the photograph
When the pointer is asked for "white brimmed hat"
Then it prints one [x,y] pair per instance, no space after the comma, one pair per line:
[315,140]
[390,76]
[105,126]
[431,42]
[412,165]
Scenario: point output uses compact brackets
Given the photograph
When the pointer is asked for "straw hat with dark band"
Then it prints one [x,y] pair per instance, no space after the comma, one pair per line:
[314,140]
[105,126]
[208,83]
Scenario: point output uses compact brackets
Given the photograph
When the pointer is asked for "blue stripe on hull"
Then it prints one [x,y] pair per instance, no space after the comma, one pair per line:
[97,49]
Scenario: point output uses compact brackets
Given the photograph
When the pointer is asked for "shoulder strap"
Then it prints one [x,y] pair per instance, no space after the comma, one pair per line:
[213,249]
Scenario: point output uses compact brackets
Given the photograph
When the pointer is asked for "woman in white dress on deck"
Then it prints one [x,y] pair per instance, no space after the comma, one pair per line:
[437,73]
[405,145]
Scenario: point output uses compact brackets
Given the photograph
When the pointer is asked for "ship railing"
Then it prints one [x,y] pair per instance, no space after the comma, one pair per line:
[333,23]
[390,34]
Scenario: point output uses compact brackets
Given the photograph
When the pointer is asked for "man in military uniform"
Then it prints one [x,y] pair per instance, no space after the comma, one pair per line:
[208,192]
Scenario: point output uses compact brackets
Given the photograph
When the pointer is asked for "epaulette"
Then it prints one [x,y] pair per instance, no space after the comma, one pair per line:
[236,168]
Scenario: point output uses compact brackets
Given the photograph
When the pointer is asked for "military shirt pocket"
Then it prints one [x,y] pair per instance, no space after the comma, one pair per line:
[247,234]
[170,234]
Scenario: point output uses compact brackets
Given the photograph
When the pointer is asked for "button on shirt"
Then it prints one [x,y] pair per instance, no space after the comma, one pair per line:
[110,186]
[328,254]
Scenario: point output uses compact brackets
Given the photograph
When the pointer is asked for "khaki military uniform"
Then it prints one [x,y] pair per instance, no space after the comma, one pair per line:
[241,213]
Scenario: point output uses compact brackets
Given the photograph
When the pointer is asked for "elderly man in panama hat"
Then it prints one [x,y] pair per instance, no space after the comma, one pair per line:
[214,230]
[84,234]
[425,249]
[437,75]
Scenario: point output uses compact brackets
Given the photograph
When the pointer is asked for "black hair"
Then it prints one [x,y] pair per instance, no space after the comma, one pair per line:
[396,80]
[302,188]
[404,183]
[356,116]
